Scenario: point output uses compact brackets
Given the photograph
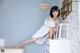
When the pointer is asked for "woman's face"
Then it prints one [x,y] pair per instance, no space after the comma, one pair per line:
[55,13]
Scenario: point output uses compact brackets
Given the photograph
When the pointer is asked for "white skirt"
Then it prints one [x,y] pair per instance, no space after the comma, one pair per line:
[41,33]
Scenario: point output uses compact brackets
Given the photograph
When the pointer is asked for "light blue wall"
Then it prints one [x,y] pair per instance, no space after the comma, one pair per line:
[19,20]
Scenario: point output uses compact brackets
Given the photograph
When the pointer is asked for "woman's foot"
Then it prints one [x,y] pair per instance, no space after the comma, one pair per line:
[17,46]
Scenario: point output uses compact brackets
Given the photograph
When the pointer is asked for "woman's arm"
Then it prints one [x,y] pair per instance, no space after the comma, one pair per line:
[50,33]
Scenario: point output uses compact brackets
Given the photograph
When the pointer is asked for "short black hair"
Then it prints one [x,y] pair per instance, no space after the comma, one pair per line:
[55,8]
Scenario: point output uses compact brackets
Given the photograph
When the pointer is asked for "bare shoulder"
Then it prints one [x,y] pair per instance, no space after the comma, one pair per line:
[49,17]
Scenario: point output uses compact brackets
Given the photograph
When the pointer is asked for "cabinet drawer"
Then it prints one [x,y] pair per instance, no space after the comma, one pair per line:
[11,50]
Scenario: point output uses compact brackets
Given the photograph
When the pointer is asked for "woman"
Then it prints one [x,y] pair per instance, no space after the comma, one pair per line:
[47,30]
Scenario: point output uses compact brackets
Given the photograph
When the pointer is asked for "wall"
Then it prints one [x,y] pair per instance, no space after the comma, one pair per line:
[79,23]
[72,20]
[79,13]
[73,29]
[19,20]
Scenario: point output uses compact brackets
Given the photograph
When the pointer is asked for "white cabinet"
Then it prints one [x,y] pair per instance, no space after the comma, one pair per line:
[11,50]
[59,46]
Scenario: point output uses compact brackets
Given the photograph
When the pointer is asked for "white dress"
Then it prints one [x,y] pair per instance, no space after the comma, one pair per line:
[43,31]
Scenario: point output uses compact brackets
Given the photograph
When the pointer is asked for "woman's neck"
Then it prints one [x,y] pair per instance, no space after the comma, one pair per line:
[54,18]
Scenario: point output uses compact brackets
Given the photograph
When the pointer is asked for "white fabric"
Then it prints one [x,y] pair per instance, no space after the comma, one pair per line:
[43,31]
[50,23]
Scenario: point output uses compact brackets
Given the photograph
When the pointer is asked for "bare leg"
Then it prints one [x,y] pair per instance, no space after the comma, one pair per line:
[29,41]
[26,42]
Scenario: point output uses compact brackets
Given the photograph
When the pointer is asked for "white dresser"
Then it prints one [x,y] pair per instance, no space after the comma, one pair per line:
[4,49]
[60,46]
[11,50]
